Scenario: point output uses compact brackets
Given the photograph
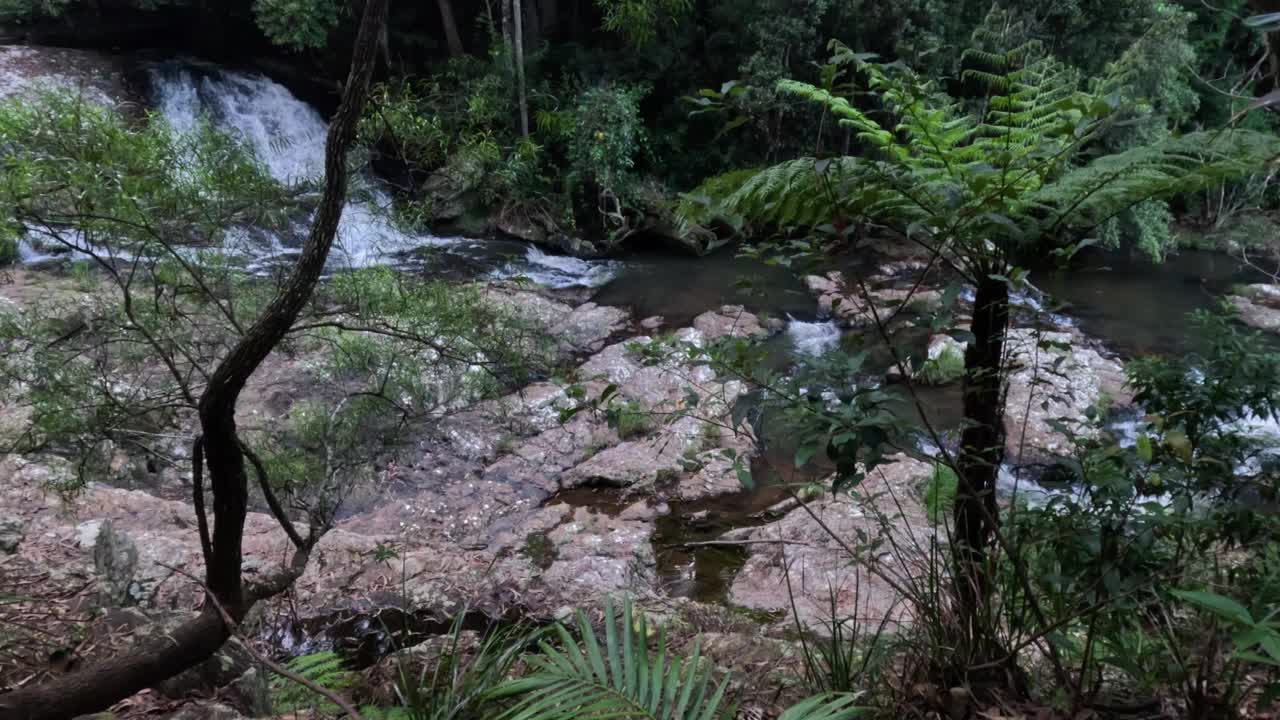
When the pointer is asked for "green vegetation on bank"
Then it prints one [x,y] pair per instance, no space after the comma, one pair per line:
[608,114]
[806,129]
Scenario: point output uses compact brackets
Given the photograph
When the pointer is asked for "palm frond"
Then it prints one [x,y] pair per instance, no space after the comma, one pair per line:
[827,706]
[581,678]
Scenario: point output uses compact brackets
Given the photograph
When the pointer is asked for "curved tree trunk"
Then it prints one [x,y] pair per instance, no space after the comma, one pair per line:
[97,688]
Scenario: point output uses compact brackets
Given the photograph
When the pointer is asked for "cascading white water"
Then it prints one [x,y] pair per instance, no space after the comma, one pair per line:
[558,271]
[813,338]
[288,136]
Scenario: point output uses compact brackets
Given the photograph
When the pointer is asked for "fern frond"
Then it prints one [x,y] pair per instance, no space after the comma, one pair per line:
[805,192]
[1089,195]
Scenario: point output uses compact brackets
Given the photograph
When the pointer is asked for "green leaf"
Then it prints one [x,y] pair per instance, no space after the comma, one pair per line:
[805,453]
[1144,448]
[1179,443]
[1220,605]
[827,706]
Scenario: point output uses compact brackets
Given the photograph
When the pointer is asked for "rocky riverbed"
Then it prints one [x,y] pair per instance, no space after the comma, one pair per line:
[490,511]
[520,506]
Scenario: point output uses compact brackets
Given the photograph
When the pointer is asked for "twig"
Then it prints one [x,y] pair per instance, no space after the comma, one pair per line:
[274,666]
[276,509]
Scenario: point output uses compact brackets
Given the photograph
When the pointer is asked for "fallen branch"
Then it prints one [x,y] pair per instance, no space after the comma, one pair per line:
[274,666]
[731,543]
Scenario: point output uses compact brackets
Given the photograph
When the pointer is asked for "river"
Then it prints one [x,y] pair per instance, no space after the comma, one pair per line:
[1131,306]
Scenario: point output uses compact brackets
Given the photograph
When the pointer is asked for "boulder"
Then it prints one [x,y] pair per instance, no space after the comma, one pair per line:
[12,532]
[629,464]
[834,300]
[607,554]
[28,69]
[1256,313]
[115,561]
[254,692]
[1262,294]
[730,320]
[1049,384]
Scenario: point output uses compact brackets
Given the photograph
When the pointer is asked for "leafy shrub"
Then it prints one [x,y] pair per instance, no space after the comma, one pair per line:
[8,250]
[940,492]
[297,24]
[947,366]
[629,419]
[608,137]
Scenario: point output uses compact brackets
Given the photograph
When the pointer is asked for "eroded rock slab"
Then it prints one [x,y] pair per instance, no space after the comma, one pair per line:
[1056,377]
[816,562]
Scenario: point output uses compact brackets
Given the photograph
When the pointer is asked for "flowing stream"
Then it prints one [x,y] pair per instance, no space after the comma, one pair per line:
[1133,307]
[288,136]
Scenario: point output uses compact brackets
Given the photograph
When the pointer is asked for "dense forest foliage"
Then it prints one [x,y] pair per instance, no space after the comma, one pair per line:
[616,109]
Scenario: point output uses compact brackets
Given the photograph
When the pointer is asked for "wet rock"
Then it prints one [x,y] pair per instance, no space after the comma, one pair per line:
[716,475]
[1055,377]
[26,69]
[838,302]
[574,245]
[819,567]
[12,532]
[629,464]
[650,324]
[1255,313]
[1262,294]
[730,320]
[895,268]
[577,329]
[442,194]
[921,299]
[641,510]
[522,227]
[115,560]
[253,692]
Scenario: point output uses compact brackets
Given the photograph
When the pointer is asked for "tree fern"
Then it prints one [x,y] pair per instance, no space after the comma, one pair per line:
[982,178]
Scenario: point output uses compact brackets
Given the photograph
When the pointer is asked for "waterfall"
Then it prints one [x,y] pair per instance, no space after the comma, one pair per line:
[813,338]
[288,137]
[558,271]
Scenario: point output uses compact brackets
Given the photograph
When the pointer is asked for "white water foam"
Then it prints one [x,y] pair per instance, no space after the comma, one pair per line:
[559,271]
[288,136]
[813,338]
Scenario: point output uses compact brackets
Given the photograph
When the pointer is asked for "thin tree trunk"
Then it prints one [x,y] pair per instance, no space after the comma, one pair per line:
[167,654]
[518,34]
[982,448]
[450,28]
[509,39]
